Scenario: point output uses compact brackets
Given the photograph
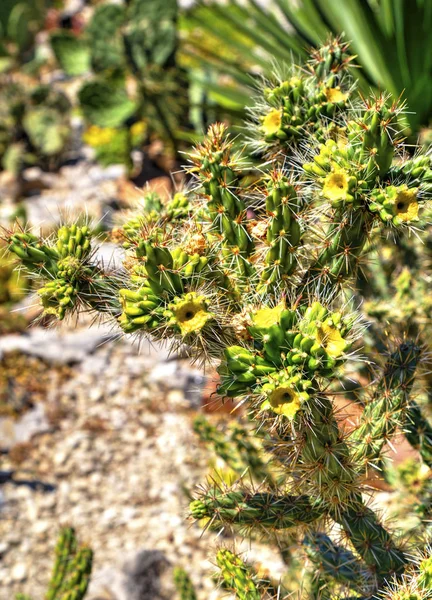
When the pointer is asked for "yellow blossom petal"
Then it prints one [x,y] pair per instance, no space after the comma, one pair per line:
[406,205]
[336,185]
[266,317]
[272,122]
[191,314]
[284,401]
[331,340]
[335,95]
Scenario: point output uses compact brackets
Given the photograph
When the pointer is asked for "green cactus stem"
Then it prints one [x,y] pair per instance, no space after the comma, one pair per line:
[237,576]
[418,431]
[72,568]
[258,509]
[388,409]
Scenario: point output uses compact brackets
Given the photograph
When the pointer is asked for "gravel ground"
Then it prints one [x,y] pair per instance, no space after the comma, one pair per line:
[114,463]
[114,467]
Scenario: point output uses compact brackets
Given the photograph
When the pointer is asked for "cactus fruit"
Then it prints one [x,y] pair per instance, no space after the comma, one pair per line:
[263,276]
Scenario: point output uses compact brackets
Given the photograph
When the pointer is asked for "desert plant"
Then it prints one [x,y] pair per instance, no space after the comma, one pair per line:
[262,279]
[72,569]
[35,126]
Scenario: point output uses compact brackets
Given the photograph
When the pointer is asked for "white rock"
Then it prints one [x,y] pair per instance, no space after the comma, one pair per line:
[19,572]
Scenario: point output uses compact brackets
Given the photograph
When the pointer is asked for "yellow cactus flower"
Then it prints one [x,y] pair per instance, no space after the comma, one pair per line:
[266,317]
[335,95]
[283,401]
[96,136]
[272,122]
[406,205]
[336,185]
[138,129]
[331,340]
[191,314]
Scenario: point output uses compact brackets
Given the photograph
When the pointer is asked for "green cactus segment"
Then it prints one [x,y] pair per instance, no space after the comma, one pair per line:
[373,543]
[217,167]
[305,103]
[142,308]
[425,574]
[255,509]
[70,279]
[218,170]
[283,234]
[105,40]
[395,204]
[159,266]
[237,576]
[61,294]
[235,447]
[183,584]
[325,461]
[336,562]
[330,475]
[339,258]
[105,103]
[72,569]
[179,207]
[152,211]
[418,431]
[388,408]
[292,351]
[379,133]
[33,254]
[417,172]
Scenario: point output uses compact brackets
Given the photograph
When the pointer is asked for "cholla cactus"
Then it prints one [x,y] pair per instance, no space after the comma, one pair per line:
[72,569]
[261,279]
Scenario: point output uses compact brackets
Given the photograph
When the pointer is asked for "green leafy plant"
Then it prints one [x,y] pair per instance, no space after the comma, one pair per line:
[137,90]
[263,279]
[389,39]
[35,125]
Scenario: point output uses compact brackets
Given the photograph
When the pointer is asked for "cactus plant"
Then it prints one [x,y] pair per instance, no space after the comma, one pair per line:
[263,280]
[72,569]
[184,585]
